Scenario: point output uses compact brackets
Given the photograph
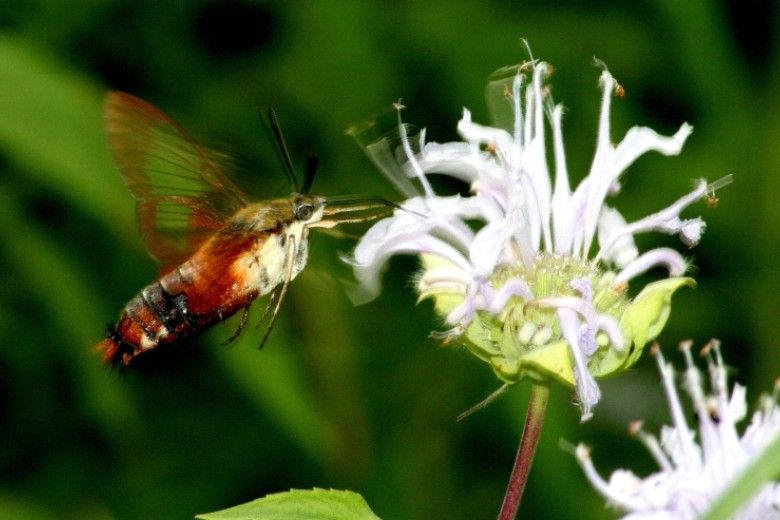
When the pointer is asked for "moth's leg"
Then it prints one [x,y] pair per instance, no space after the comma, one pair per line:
[241,325]
[272,297]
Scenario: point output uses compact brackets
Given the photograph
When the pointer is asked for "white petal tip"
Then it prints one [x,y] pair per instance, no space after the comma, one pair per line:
[582,452]
[683,133]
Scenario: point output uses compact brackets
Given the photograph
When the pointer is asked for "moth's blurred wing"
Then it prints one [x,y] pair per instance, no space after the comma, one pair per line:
[182,194]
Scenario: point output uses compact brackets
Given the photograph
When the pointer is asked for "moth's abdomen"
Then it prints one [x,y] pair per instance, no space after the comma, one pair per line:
[151,318]
[208,288]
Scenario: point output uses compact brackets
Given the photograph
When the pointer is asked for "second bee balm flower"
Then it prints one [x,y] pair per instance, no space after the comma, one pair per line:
[539,287]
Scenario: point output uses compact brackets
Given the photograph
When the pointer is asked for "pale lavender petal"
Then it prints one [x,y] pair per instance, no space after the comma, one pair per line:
[680,445]
[588,391]
[531,213]
[463,313]
[493,198]
[561,199]
[528,133]
[640,140]
[370,257]
[610,490]
[459,160]
[662,256]
[442,216]
[668,214]
[477,134]
[604,141]
[666,220]
[512,287]
[517,105]
[599,178]
[535,161]
[611,327]
[444,280]
[622,249]
[609,162]
[588,343]
[473,301]
[487,246]
[692,230]
[583,286]
[579,209]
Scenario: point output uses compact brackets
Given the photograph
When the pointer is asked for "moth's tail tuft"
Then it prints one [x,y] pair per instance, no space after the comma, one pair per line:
[111,351]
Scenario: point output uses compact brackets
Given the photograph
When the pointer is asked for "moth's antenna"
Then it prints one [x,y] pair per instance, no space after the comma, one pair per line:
[308,173]
[281,149]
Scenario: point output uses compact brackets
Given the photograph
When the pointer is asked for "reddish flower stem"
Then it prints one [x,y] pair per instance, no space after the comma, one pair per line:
[534,418]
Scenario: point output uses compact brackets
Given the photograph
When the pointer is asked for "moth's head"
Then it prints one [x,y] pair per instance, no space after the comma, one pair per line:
[308,209]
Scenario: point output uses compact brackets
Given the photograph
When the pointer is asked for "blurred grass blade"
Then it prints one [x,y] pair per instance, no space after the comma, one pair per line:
[275,382]
[16,507]
[51,124]
[61,288]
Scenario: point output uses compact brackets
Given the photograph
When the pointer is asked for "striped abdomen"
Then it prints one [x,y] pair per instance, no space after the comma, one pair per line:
[223,277]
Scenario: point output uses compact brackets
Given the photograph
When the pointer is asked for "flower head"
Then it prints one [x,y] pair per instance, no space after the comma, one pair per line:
[531,274]
[693,471]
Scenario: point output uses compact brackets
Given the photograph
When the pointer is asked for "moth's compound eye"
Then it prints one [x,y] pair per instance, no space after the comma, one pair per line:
[304,211]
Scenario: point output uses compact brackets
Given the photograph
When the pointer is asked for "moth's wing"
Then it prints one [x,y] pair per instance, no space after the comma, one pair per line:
[498,94]
[379,137]
[182,195]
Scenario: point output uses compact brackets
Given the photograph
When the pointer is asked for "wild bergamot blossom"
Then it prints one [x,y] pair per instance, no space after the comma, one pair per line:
[526,288]
[693,472]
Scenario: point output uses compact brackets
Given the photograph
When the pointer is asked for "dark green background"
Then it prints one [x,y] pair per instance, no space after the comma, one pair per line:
[344,397]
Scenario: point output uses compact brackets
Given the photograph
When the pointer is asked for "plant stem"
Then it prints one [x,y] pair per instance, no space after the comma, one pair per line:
[537,404]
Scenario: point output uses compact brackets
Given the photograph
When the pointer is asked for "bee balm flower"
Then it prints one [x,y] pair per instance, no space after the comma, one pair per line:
[539,287]
[693,472]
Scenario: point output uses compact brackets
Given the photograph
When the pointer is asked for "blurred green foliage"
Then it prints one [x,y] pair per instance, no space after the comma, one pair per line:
[342,396]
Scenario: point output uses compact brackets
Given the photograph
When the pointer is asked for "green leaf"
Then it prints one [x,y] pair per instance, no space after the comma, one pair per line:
[764,469]
[300,504]
[644,319]
[641,322]
[552,360]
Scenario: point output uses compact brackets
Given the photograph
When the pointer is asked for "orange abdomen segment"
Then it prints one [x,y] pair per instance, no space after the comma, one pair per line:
[202,291]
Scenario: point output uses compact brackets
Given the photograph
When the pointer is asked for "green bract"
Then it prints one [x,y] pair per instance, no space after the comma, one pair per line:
[525,340]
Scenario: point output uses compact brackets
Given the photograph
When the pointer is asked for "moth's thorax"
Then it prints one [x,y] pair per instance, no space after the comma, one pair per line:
[268,216]
[265,265]
[276,214]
